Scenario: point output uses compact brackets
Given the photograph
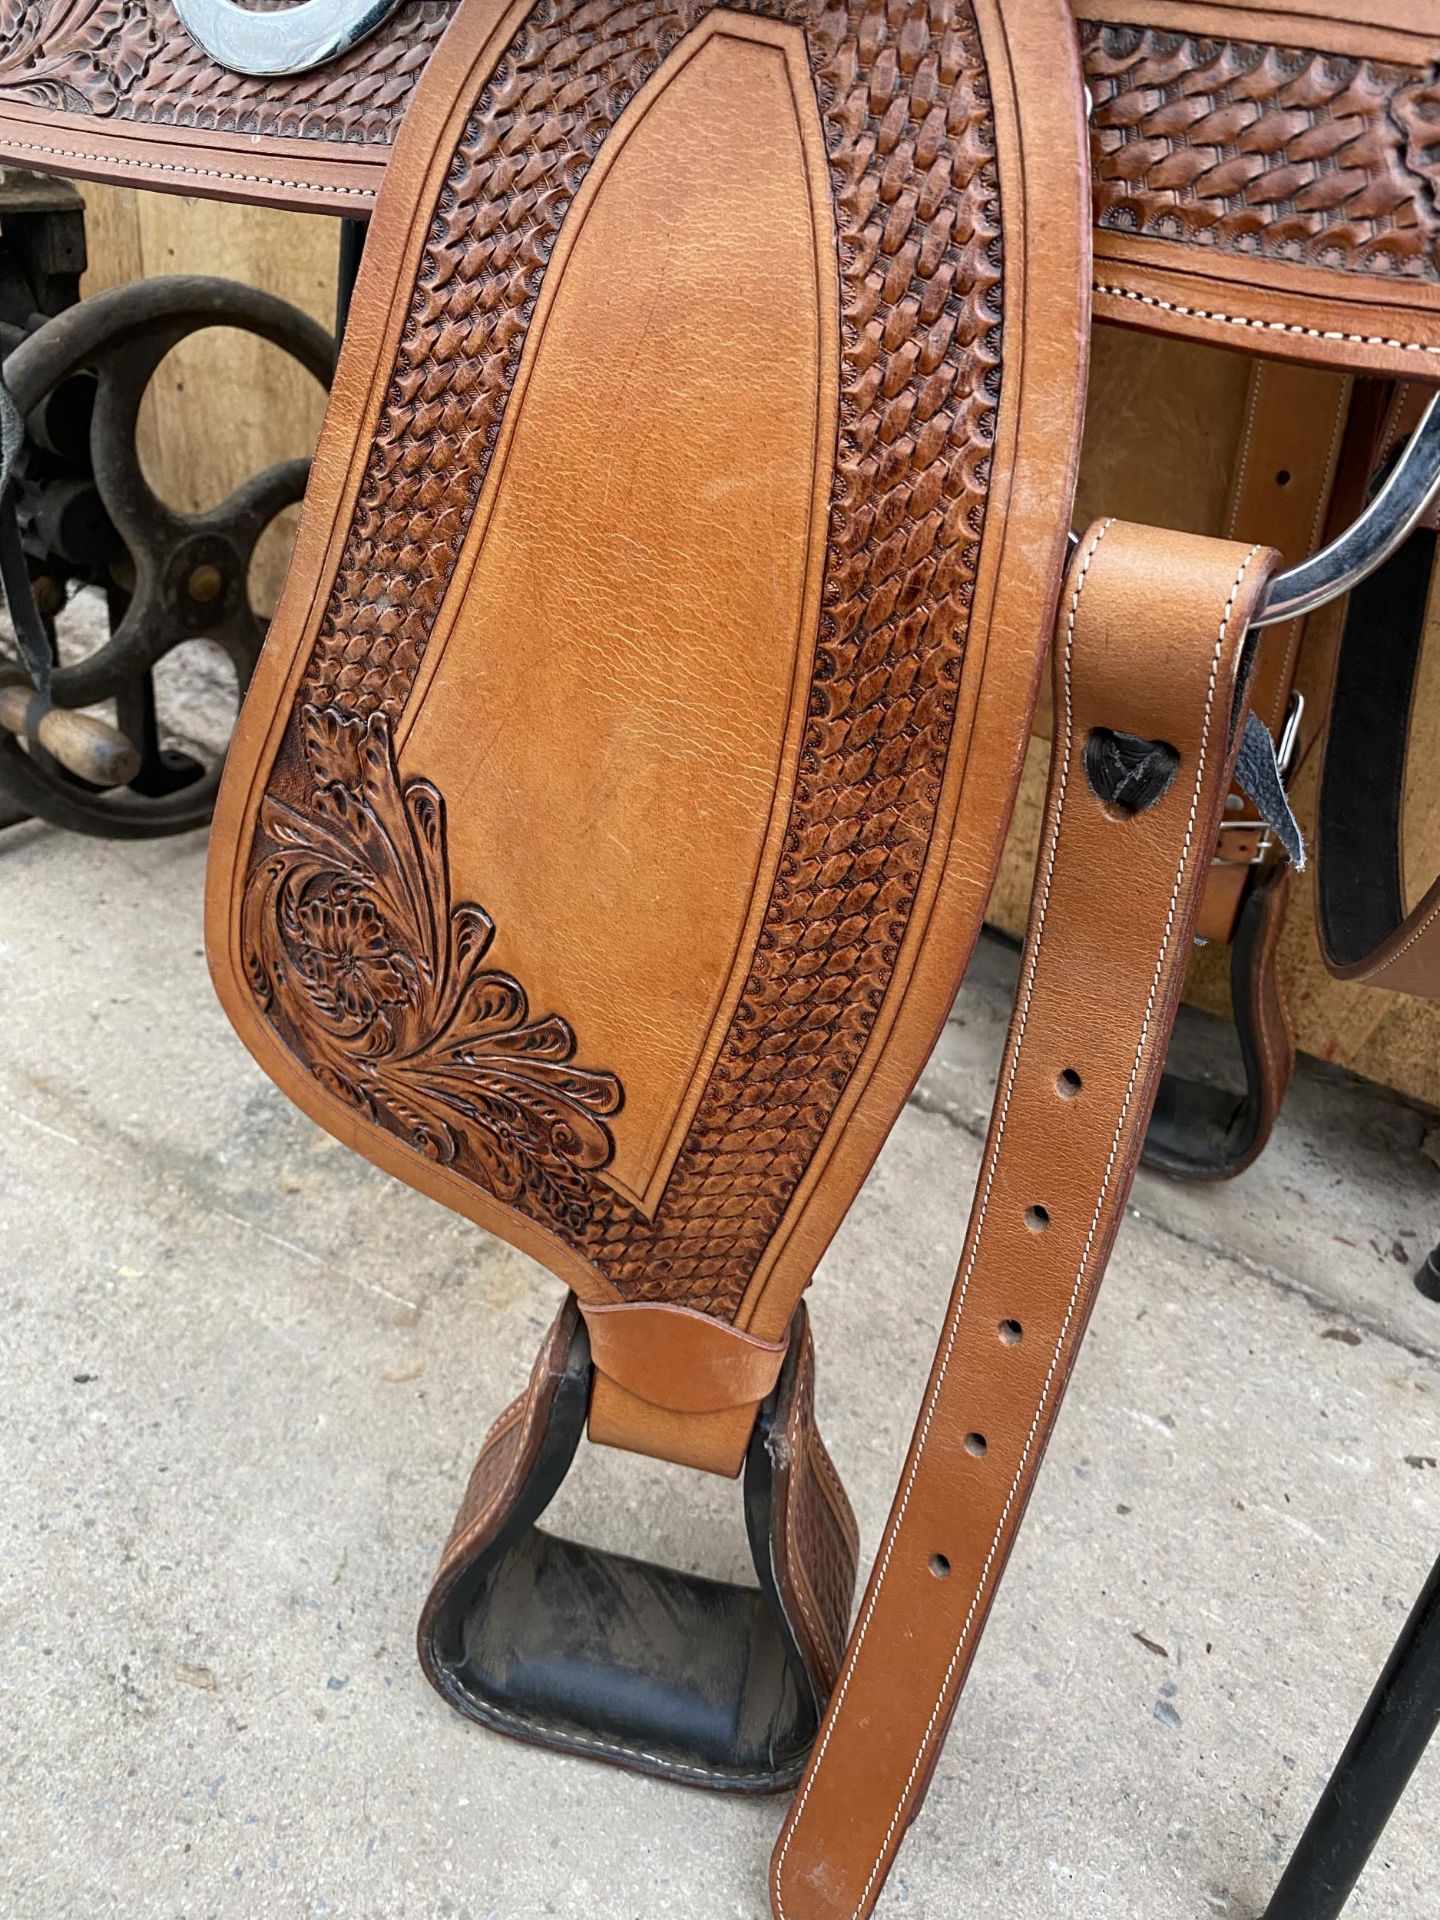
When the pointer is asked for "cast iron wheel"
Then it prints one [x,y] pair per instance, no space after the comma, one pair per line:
[170,577]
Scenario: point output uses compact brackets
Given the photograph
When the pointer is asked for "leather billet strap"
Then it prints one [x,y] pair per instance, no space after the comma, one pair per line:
[1280,494]
[668,1673]
[1151,642]
[1365,930]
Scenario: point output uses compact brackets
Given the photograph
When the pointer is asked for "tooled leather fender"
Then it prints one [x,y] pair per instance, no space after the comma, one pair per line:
[618,800]
[1265,177]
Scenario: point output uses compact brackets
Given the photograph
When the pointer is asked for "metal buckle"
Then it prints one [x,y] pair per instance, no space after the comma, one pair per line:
[292,40]
[1285,752]
[1409,491]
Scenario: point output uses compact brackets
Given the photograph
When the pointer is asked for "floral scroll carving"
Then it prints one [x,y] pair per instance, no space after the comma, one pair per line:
[75,52]
[377,982]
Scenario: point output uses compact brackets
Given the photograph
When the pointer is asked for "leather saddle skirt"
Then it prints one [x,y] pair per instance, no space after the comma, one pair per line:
[615,807]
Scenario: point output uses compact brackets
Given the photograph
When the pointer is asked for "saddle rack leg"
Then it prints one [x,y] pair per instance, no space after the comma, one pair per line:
[1389,1739]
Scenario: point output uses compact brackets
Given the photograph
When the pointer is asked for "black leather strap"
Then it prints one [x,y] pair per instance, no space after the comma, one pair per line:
[1360,882]
[1203,1132]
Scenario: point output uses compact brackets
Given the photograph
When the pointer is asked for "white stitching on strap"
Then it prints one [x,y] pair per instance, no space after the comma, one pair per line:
[573,1742]
[1011,1064]
[952,1331]
[1263,326]
[1415,933]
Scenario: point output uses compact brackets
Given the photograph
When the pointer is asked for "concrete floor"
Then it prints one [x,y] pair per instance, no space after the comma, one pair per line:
[244,1374]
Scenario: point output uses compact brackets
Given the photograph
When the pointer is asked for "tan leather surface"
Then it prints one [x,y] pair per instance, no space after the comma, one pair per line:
[708,1442]
[678,1358]
[1284,476]
[676,1384]
[1250,188]
[1150,641]
[668,433]
[618,613]
[1403,31]
[1409,961]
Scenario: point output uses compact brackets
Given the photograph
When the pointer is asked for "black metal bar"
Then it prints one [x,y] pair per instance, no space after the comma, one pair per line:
[1361,1794]
[1427,1280]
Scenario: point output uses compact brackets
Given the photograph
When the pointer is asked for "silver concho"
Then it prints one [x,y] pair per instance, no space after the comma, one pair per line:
[287,40]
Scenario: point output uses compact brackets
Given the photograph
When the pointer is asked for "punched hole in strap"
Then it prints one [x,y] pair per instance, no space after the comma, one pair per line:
[939,1566]
[1011,1333]
[976,1445]
[1037,1219]
[1068,1083]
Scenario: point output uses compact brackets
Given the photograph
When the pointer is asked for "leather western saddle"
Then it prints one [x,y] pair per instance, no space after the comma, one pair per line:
[617,801]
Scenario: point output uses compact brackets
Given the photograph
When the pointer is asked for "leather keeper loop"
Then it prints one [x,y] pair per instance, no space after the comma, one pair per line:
[708,1442]
[677,1358]
[676,1384]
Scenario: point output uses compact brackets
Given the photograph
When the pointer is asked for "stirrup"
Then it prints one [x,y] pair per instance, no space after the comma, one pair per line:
[669,1673]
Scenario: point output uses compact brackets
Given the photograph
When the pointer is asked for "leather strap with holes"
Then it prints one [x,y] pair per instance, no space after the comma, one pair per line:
[1280,493]
[1150,643]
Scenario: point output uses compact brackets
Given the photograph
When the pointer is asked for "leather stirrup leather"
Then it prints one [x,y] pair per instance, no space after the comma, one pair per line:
[617,802]
[615,807]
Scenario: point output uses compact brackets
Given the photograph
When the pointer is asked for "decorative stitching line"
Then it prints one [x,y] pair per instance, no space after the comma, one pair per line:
[1135,1067]
[198,173]
[577,1743]
[993,1158]
[1242,464]
[1432,915]
[1398,404]
[1011,1067]
[1332,455]
[1264,326]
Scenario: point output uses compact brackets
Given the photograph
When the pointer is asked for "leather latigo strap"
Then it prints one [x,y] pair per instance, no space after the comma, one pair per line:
[1199,1131]
[1280,494]
[1365,931]
[584,1651]
[1151,643]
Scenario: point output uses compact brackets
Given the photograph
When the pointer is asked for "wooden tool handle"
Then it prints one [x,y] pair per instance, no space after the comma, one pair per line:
[90,749]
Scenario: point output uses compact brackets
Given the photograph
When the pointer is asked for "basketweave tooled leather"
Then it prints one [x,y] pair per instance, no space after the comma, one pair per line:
[1264,176]
[911,502]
